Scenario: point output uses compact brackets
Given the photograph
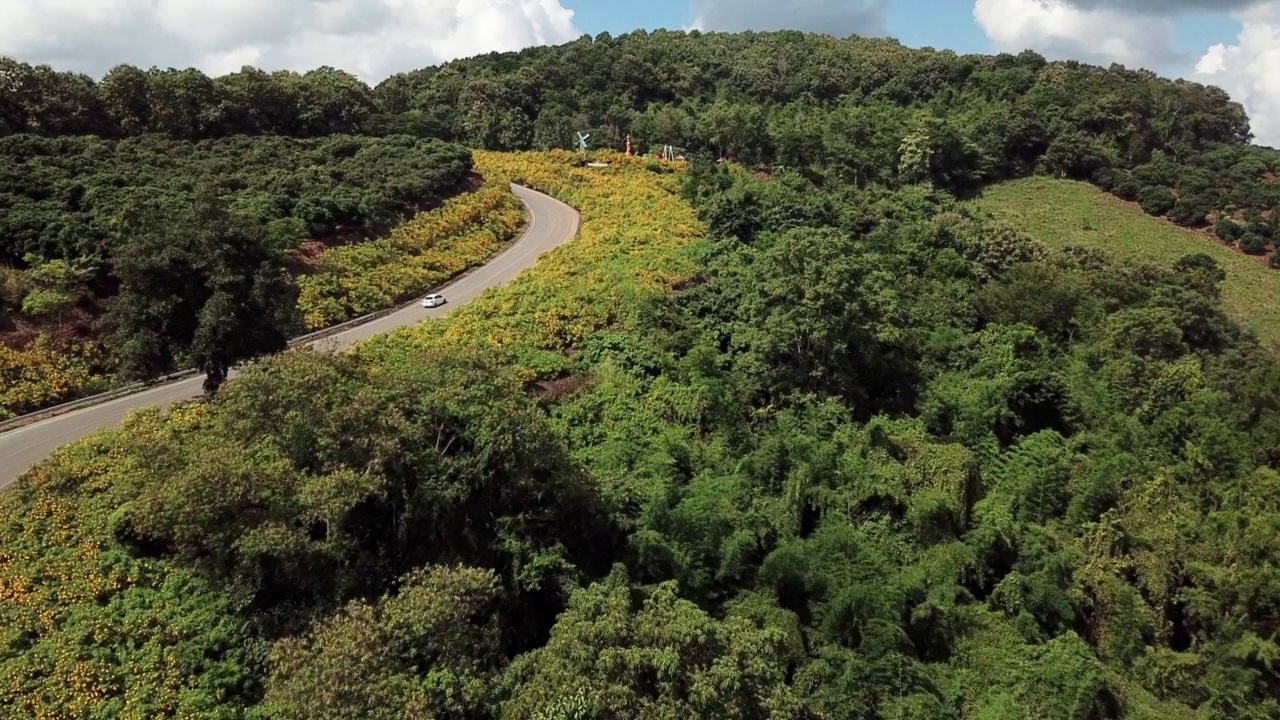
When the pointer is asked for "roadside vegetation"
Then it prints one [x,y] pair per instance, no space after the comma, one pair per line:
[745,449]
[129,259]
[418,254]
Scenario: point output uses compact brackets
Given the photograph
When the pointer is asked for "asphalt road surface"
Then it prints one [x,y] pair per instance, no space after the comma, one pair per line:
[551,223]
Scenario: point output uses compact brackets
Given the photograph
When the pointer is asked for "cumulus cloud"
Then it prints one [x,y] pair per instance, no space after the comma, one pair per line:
[1249,70]
[1108,31]
[1166,7]
[371,38]
[834,17]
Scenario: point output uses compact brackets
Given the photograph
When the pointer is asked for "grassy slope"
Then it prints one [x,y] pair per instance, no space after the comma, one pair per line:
[1066,212]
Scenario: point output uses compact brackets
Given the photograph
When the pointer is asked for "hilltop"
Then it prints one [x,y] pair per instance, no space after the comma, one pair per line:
[803,100]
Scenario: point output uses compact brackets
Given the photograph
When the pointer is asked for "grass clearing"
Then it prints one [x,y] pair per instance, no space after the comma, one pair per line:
[1067,212]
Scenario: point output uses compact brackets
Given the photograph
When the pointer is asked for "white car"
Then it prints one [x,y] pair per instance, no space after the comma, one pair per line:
[432,300]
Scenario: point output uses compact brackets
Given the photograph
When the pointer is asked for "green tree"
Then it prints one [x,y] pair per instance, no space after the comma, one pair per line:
[492,115]
[811,308]
[183,103]
[346,477]
[199,284]
[431,650]
[125,92]
[936,151]
[1201,273]
[329,101]
[737,131]
[1075,155]
[654,657]
[1156,200]
[56,286]
[1253,243]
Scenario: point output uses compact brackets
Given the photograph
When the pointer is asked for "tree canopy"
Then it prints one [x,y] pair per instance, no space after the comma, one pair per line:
[842,452]
[863,109]
[796,435]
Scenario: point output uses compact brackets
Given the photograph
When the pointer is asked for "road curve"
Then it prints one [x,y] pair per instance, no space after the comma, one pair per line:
[551,223]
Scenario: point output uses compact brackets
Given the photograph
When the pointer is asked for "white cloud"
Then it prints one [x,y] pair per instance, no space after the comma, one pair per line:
[371,38]
[1249,70]
[833,17]
[1063,30]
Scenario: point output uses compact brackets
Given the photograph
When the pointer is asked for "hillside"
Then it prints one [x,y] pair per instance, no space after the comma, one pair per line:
[1064,212]
[860,110]
[780,450]
[893,413]
[111,247]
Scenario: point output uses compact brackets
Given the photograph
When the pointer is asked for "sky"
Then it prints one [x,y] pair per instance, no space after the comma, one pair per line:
[1234,44]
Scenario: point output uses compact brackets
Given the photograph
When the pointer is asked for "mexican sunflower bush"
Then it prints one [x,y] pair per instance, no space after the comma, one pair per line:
[431,247]
[631,246]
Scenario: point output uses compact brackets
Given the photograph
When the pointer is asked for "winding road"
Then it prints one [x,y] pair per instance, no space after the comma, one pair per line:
[551,223]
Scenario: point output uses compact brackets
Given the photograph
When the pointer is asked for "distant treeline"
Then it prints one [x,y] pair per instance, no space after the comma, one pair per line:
[857,110]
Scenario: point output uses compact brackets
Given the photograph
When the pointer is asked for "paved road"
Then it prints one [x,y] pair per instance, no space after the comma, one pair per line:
[551,223]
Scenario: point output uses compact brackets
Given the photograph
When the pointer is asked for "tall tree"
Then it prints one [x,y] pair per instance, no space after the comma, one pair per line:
[429,651]
[126,99]
[197,284]
[615,654]
[183,103]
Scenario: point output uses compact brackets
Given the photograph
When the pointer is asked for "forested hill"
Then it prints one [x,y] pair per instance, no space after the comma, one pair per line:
[826,443]
[857,109]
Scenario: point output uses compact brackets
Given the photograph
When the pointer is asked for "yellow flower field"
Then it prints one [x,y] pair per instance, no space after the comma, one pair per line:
[431,247]
[41,376]
[634,227]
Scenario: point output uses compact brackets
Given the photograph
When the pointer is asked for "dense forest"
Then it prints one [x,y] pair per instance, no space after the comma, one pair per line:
[62,196]
[800,435]
[858,110]
[839,452]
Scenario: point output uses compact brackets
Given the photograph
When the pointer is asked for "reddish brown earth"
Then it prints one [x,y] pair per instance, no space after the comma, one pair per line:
[555,390]
[75,325]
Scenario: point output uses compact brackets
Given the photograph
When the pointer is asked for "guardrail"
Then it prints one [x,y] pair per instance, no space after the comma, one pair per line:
[72,405]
